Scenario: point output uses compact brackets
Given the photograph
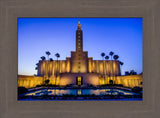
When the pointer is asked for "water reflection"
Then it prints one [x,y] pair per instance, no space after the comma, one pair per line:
[61,92]
[79,92]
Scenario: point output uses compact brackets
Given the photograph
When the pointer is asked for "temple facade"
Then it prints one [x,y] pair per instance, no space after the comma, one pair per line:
[79,69]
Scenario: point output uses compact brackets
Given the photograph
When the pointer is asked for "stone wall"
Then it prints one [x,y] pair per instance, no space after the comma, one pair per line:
[89,78]
[29,81]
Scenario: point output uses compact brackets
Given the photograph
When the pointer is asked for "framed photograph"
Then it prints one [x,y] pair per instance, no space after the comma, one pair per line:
[79,76]
[87,59]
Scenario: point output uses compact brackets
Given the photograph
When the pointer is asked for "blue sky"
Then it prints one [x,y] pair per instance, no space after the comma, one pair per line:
[123,36]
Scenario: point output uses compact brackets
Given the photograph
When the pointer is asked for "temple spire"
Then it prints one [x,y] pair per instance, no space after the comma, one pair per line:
[79,25]
[79,21]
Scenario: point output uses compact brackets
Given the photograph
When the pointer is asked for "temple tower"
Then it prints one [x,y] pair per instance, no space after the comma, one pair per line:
[79,58]
[79,38]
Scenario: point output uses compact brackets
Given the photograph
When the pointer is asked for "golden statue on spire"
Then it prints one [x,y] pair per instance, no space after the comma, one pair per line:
[79,21]
[79,25]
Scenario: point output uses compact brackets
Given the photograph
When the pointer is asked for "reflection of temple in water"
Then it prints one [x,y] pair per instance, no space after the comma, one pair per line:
[79,69]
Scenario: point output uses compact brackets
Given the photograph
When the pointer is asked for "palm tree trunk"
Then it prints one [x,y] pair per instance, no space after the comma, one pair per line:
[59,71]
[112,72]
[56,72]
[103,72]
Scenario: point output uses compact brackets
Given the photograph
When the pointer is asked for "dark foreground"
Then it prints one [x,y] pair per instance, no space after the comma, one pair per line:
[85,97]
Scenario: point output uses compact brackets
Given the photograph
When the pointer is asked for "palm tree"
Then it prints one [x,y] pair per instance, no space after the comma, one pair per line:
[115,57]
[47,69]
[43,58]
[106,57]
[102,54]
[36,68]
[51,59]
[121,63]
[111,53]
[48,53]
[57,55]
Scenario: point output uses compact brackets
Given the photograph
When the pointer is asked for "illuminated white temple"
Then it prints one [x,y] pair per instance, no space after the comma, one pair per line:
[80,70]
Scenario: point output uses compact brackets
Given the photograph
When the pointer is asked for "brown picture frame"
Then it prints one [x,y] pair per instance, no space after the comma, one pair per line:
[10,10]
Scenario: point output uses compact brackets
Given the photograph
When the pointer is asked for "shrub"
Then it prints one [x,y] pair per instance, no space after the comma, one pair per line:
[22,90]
[47,81]
[120,85]
[38,86]
[111,82]
[136,89]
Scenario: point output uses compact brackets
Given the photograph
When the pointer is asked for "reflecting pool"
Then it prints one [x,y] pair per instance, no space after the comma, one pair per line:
[60,92]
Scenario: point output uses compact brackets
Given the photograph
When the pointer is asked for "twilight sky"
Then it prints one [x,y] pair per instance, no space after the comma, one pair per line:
[123,36]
